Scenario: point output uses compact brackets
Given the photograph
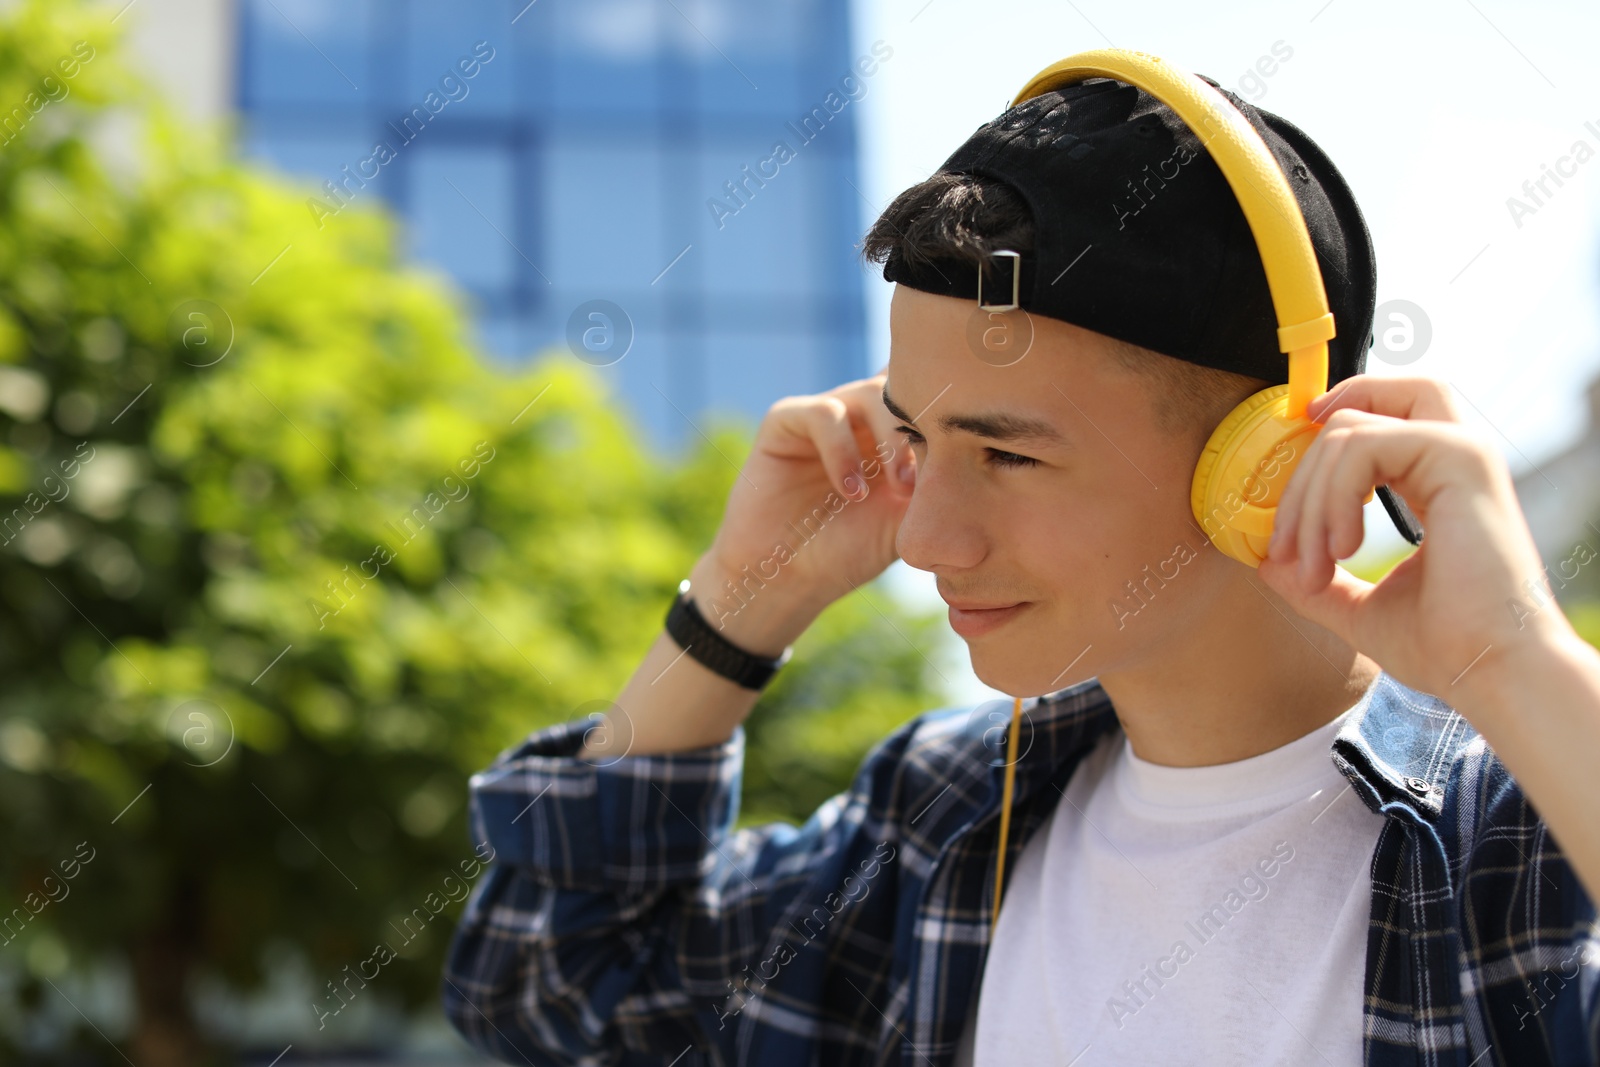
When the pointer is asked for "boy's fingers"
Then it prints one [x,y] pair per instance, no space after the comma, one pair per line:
[824,423]
[1416,459]
[1341,517]
[1398,398]
[1332,606]
[1309,509]
[880,424]
[1287,518]
[887,441]
[1327,503]
[1373,455]
[1306,517]
[880,446]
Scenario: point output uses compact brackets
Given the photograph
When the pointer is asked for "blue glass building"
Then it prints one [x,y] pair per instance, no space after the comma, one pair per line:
[616,150]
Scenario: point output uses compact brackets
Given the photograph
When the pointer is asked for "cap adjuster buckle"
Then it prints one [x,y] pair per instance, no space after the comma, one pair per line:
[1016,282]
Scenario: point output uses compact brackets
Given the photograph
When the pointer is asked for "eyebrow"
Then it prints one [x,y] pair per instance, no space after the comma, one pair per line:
[995,426]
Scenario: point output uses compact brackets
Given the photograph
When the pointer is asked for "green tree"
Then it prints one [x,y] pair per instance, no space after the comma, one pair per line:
[284,561]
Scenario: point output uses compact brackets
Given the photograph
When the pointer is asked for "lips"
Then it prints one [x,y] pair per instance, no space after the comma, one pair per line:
[970,619]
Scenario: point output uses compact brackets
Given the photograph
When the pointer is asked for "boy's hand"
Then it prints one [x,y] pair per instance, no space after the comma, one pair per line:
[1470,606]
[822,481]
[1472,597]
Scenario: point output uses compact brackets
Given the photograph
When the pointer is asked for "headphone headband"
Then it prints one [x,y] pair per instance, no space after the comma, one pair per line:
[1293,277]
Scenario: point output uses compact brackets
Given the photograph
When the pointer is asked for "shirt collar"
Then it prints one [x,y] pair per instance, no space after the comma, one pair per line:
[1396,746]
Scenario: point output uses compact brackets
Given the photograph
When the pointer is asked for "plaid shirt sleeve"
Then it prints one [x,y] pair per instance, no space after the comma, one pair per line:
[621,903]
[1530,951]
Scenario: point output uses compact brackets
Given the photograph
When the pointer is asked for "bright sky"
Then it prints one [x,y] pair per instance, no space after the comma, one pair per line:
[1436,112]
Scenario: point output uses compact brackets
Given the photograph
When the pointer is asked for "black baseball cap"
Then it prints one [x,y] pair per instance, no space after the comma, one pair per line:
[1137,235]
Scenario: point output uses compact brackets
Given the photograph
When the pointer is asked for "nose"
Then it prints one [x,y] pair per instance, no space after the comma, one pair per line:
[942,526]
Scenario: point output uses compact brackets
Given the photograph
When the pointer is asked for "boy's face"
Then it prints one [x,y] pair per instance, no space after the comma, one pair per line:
[1106,497]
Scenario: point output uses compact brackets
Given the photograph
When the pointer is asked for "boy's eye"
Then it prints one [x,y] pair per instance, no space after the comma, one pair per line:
[998,457]
[1010,459]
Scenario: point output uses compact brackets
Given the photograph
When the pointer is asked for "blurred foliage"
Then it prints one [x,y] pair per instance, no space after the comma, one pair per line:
[862,676]
[1373,570]
[1574,576]
[1585,618]
[249,767]
[1574,573]
[1573,580]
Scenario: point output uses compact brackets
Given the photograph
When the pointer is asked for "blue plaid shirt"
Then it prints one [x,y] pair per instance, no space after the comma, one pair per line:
[625,921]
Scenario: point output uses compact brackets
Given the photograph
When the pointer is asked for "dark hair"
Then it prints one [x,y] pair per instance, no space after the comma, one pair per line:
[966,216]
[951,216]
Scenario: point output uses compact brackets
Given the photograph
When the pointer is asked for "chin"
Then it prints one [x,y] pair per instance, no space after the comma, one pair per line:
[1033,669]
[1011,675]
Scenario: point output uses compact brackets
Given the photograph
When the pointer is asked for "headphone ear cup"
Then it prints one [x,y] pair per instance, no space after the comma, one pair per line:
[1242,470]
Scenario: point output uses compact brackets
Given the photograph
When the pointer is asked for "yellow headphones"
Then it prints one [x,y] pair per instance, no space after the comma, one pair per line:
[1251,454]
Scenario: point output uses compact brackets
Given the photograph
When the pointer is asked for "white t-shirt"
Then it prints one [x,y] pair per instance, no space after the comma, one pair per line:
[1203,915]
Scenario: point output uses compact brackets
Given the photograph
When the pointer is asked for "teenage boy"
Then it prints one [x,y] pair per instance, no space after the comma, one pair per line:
[1275,816]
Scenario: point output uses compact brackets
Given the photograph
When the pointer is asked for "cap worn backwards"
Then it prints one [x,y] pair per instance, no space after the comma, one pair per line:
[1138,235]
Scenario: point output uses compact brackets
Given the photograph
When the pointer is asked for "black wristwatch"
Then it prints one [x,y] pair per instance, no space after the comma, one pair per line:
[702,642]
